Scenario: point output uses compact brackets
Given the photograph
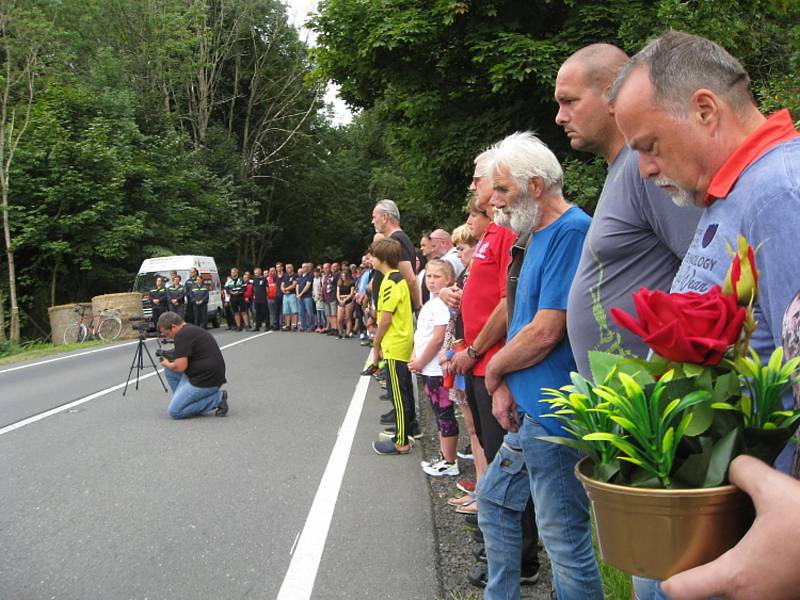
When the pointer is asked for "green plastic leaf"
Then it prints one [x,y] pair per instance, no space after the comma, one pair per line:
[722,453]
[702,414]
[602,363]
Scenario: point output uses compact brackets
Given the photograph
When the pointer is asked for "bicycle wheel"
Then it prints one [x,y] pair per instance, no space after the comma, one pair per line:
[75,333]
[109,329]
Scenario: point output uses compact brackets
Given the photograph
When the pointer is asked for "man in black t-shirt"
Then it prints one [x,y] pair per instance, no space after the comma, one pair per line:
[197,371]
[386,220]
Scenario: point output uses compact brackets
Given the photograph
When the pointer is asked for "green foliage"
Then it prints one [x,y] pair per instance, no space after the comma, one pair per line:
[762,406]
[449,78]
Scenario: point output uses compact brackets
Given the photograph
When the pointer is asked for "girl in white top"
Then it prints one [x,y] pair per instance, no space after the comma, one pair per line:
[428,340]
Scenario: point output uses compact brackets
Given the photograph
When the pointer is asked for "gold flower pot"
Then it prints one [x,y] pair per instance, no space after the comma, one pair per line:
[656,533]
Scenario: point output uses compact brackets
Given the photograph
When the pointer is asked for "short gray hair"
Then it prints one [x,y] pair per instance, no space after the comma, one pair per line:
[526,156]
[483,161]
[681,63]
[389,208]
[169,320]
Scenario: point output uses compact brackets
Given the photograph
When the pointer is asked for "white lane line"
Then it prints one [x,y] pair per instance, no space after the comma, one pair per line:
[302,572]
[52,360]
[79,401]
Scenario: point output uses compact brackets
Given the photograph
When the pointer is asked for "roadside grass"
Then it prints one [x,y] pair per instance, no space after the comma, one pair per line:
[616,584]
[13,353]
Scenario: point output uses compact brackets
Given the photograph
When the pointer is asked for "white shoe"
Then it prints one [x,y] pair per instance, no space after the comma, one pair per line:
[429,463]
[442,468]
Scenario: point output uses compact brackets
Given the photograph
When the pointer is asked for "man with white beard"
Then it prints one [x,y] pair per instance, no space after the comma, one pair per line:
[527,182]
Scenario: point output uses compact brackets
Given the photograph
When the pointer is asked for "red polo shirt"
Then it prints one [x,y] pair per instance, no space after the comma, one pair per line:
[776,129]
[485,286]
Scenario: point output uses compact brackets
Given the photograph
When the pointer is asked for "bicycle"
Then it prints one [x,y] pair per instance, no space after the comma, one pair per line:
[106,326]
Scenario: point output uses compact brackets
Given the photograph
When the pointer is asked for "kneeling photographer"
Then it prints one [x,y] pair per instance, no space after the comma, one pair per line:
[195,370]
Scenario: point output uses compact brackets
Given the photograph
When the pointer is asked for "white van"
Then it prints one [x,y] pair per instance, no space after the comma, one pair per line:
[164,265]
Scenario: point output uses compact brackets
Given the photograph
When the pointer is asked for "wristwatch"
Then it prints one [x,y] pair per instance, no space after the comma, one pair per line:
[472,353]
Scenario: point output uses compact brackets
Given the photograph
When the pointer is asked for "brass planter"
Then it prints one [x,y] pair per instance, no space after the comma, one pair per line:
[656,533]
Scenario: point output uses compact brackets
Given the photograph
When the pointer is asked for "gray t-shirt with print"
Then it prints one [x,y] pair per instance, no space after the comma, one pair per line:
[637,239]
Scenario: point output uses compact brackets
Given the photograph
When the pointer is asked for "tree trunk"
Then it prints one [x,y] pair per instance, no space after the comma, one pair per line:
[2,317]
[12,276]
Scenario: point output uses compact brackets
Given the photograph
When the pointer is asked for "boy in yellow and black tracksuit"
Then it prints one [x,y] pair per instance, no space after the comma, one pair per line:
[394,341]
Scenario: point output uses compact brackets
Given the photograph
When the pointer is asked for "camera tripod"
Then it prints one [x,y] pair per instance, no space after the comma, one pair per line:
[138,363]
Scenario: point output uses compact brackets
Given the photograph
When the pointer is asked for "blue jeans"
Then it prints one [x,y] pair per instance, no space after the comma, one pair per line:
[648,589]
[523,465]
[308,313]
[188,400]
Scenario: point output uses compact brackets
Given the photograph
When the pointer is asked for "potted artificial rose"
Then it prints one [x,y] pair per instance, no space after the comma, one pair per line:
[659,434]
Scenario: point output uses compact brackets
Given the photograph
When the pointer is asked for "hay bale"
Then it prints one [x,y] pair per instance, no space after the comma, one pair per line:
[62,315]
[129,304]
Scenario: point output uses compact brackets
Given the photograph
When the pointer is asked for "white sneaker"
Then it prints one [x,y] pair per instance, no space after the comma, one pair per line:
[441,468]
[429,463]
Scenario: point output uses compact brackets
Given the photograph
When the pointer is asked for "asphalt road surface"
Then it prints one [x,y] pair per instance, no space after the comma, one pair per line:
[105,497]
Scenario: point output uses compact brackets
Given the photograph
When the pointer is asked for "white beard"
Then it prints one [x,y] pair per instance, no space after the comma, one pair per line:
[680,196]
[521,216]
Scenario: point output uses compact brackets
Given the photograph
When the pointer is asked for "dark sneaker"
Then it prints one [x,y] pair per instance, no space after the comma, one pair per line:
[371,368]
[222,407]
[477,576]
[479,552]
[388,418]
[366,343]
[477,536]
[387,447]
[471,521]
[413,432]
[385,396]
[529,578]
[465,453]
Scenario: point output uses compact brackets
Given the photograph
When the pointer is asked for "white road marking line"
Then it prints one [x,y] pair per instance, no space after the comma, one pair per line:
[79,401]
[302,572]
[52,360]
[294,543]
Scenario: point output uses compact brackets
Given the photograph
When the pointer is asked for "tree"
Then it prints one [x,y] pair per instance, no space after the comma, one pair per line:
[450,77]
[26,39]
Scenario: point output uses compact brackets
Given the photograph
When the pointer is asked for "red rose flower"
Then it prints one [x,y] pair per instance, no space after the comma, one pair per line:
[689,327]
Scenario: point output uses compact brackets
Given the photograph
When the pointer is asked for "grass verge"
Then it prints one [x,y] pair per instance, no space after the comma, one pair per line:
[13,353]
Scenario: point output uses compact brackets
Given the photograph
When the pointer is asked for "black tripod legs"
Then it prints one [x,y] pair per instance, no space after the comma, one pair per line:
[138,364]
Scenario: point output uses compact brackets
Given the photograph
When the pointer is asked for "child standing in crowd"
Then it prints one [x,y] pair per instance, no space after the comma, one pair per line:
[393,342]
[319,304]
[431,325]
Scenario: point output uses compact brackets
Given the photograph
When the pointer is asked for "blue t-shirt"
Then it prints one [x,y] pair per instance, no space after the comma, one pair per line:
[302,280]
[544,281]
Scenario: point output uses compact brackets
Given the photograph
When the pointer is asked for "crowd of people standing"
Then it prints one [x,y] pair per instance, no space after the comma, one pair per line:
[330,298]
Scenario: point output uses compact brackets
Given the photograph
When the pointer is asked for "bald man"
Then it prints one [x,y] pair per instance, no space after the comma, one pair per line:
[443,248]
[638,237]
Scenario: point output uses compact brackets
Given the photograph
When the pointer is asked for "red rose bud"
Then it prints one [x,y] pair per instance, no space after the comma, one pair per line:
[689,327]
[742,277]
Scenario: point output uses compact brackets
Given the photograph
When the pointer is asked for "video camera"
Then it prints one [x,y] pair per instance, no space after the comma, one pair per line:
[140,324]
[162,353]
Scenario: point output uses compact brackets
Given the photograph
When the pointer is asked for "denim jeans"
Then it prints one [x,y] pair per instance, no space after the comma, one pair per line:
[648,589]
[523,465]
[188,400]
[308,313]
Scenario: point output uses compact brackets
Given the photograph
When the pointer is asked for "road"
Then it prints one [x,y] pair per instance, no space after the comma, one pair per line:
[109,498]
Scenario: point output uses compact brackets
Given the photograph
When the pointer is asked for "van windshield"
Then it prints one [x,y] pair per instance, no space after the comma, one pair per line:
[147,281]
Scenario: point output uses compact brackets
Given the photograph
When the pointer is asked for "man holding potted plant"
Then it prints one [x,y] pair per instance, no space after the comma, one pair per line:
[527,181]
[686,105]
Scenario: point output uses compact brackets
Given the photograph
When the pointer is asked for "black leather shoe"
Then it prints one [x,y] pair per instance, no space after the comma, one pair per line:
[477,576]
[222,407]
[479,552]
